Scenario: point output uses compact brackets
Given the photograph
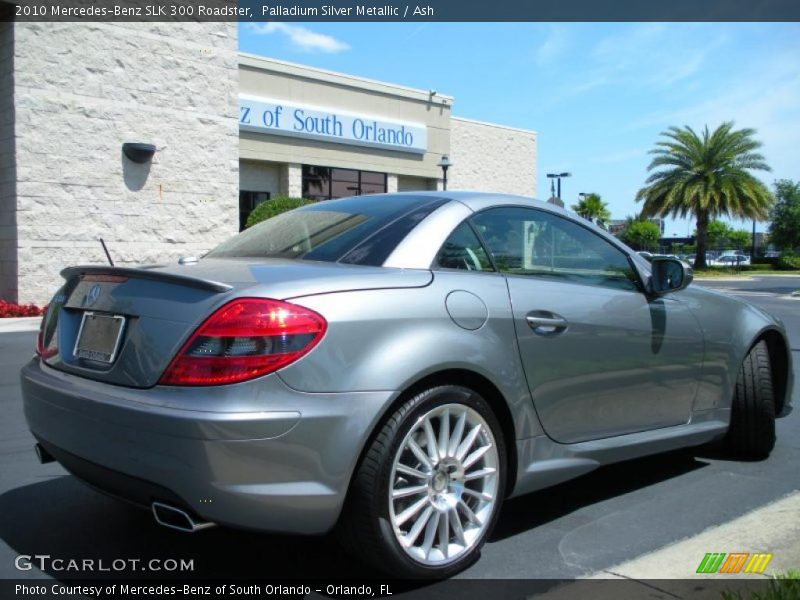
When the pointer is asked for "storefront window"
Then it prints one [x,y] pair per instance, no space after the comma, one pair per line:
[326,183]
[247,202]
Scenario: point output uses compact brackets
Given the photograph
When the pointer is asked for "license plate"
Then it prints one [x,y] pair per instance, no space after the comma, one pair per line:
[99,337]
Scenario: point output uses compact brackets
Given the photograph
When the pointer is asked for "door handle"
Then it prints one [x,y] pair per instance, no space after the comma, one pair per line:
[545,323]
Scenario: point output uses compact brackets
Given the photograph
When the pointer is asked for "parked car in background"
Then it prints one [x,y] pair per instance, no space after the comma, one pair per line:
[392,367]
[711,259]
[733,260]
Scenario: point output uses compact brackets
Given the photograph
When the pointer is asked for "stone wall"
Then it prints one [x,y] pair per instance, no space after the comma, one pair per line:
[491,158]
[81,90]
[8,174]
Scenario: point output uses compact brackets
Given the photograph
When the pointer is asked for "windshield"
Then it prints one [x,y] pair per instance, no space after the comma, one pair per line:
[332,230]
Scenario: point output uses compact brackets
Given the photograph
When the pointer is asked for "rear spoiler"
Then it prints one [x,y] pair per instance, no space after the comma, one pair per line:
[147,273]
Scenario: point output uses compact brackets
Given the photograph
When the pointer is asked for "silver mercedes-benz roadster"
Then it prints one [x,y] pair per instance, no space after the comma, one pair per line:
[392,367]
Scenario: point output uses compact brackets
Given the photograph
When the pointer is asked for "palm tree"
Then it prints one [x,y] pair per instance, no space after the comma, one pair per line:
[706,176]
[592,208]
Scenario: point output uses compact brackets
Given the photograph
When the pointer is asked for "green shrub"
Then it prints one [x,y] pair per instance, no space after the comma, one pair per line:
[788,262]
[275,206]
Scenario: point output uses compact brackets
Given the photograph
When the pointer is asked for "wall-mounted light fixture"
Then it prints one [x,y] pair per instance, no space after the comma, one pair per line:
[138,152]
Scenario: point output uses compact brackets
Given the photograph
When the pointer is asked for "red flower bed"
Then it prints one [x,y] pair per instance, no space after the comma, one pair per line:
[9,309]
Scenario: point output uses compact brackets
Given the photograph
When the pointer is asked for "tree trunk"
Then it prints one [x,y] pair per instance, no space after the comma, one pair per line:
[702,234]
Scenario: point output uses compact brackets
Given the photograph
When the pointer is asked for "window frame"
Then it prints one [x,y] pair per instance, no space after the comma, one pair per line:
[356,186]
[613,242]
[252,193]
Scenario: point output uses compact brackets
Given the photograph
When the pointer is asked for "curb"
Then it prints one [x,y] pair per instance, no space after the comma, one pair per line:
[18,324]
[670,572]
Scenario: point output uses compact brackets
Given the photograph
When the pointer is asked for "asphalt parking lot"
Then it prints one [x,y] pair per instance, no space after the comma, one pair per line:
[603,518]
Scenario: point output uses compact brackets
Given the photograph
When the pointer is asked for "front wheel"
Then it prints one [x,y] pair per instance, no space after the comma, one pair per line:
[430,486]
[752,429]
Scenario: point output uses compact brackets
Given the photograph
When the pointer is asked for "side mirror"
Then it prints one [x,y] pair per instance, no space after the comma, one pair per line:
[669,275]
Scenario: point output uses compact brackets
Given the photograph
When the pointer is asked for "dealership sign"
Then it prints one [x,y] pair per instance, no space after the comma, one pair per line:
[285,118]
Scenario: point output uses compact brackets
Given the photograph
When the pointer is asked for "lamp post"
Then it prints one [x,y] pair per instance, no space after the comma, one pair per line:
[445,164]
[753,244]
[557,177]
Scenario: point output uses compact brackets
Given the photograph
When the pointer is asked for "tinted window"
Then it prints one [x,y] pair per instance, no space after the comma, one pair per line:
[325,183]
[376,249]
[326,231]
[463,250]
[540,244]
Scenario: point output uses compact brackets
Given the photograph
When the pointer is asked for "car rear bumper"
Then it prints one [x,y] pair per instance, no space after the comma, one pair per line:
[257,455]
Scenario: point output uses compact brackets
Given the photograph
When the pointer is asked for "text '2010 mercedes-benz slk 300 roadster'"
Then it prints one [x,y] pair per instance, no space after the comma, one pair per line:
[392,367]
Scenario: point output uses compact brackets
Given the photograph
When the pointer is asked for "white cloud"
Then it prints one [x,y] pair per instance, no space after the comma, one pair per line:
[553,46]
[301,37]
[630,42]
[763,97]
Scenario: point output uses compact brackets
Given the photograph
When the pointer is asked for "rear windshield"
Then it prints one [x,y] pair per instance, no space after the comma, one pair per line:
[361,230]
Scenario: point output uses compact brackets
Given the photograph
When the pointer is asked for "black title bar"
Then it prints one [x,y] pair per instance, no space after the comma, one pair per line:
[403,10]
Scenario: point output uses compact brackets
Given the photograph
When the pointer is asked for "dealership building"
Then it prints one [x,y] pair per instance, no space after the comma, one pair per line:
[230,131]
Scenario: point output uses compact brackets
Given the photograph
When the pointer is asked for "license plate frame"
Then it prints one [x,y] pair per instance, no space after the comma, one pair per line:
[106,342]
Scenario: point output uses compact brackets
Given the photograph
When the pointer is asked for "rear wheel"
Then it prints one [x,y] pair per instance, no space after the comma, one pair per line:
[430,486]
[752,430]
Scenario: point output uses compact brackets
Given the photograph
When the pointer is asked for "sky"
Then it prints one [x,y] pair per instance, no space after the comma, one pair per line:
[597,94]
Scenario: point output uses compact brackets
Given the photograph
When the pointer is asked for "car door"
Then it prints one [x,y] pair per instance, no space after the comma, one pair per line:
[600,356]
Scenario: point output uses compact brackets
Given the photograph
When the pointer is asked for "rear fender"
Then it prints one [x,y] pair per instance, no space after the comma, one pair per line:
[391,339]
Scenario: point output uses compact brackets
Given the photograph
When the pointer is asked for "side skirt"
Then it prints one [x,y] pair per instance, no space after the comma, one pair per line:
[543,462]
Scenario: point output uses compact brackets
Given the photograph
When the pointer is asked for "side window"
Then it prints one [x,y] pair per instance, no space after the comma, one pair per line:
[463,250]
[536,243]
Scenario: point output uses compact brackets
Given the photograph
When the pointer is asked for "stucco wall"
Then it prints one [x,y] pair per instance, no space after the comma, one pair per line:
[415,184]
[491,158]
[8,207]
[81,90]
[260,177]
[274,79]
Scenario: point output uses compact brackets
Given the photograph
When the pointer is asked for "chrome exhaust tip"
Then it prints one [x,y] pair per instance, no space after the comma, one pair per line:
[175,518]
[43,455]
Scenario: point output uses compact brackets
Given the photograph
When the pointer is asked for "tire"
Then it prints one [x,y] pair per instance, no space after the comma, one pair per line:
[400,510]
[752,429]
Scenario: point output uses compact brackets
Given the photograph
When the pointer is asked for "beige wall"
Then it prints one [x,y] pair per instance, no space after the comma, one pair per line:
[415,184]
[305,85]
[81,90]
[491,158]
[260,177]
[486,157]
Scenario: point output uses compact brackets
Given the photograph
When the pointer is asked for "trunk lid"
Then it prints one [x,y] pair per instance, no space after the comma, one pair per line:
[163,305]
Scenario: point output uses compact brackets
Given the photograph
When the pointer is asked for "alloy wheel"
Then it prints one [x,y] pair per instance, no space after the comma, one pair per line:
[444,485]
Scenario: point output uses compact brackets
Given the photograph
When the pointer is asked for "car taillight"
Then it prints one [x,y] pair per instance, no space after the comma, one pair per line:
[246,338]
[50,348]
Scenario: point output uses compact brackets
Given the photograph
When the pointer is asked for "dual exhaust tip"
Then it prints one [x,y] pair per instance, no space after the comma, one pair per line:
[175,518]
[164,514]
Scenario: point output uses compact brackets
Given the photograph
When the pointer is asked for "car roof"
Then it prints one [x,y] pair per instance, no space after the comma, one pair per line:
[479,200]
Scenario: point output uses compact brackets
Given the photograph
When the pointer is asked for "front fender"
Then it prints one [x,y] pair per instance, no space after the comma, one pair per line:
[730,327]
